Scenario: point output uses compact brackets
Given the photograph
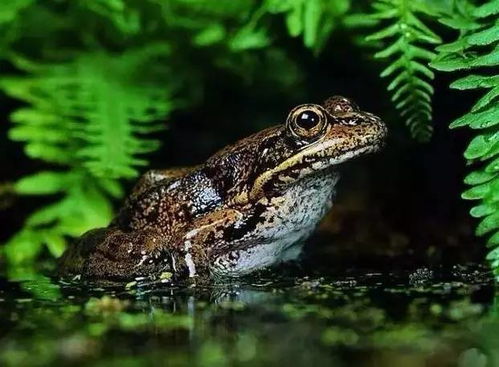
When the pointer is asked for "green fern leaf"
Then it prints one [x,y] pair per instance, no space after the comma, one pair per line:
[403,38]
[10,9]
[478,51]
[123,16]
[89,116]
[313,20]
[99,101]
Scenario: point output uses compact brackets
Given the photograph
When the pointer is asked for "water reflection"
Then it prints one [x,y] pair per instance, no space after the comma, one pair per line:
[423,318]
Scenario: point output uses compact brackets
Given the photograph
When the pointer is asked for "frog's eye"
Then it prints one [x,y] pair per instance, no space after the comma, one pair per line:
[307,122]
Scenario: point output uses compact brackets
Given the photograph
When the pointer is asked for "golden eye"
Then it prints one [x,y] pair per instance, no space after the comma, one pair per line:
[307,122]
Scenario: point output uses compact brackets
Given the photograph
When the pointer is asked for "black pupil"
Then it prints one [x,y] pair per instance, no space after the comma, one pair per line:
[307,119]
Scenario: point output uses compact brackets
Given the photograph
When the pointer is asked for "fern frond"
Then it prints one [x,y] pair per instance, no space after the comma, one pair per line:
[10,9]
[403,37]
[313,20]
[83,205]
[124,17]
[90,116]
[99,103]
[477,51]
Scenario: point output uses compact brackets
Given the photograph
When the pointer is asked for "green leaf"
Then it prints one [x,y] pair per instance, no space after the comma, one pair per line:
[294,19]
[210,35]
[480,145]
[482,190]
[23,247]
[493,242]
[10,9]
[41,183]
[401,35]
[278,6]
[483,210]
[478,177]
[56,243]
[489,223]
[493,167]
[476,81]
[485,37]
[311,21]
[479,120]
[490,59]
[384,33]
[249,38]
[487,9]
[486,99]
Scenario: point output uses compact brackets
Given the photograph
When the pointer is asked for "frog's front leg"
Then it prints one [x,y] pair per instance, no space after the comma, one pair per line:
[195,248]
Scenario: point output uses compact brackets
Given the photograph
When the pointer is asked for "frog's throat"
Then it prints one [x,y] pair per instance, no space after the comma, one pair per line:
[320,151]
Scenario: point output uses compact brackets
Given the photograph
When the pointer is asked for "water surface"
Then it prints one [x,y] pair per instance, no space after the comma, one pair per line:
[426,317]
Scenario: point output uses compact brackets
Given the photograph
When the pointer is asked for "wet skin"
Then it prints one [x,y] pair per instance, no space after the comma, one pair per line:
[249,206]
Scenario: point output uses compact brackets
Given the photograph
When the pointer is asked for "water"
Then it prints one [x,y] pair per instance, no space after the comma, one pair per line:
[428,317]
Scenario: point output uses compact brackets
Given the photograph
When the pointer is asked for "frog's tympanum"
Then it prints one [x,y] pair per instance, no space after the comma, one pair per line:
[250,205]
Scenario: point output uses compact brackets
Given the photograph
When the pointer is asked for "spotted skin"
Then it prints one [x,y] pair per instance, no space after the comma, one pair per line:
[250,205]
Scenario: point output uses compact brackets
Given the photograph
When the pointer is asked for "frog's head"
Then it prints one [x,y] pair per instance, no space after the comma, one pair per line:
[313,139]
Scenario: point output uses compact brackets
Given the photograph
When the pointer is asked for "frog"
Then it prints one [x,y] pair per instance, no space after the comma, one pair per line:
[251,205]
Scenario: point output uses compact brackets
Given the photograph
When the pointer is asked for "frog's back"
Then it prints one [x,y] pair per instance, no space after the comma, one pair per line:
[169,204]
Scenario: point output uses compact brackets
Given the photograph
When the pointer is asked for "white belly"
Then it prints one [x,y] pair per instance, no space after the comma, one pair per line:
[290,220]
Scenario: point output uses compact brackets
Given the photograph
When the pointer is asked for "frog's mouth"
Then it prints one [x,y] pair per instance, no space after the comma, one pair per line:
[310,161]
[340,147]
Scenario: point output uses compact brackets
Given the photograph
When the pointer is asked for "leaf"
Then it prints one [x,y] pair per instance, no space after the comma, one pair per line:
[210,35]
[486,99]
[311,21]
[401,34]
[492,167]
[278,6]
[478,120]
[88,115]
[482,210]
[489,223]
[487,9]
[10,9]
[97,90]
[41,183]
[478,177]
[294,19]
[493,242]
[485,37]
[123,16]
[479,191]
[249,38]
[490,59]
[480,145]
[56,243]
[23,247]
[476,81]
[389,31]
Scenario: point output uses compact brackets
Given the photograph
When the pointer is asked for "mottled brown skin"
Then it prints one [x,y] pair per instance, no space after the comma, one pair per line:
[203,220]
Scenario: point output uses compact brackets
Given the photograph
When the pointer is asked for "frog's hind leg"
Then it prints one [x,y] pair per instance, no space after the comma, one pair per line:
[110,253]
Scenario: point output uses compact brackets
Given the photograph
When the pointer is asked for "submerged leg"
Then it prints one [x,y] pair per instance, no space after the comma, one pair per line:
[109,253]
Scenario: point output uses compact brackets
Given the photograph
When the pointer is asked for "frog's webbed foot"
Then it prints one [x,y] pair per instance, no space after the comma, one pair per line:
[110,253]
